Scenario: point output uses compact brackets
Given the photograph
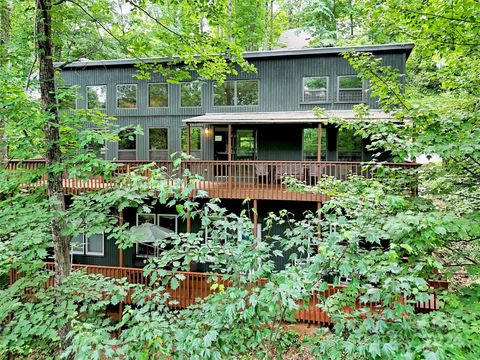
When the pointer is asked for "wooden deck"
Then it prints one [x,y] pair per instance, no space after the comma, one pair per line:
[196,285]
[261,180]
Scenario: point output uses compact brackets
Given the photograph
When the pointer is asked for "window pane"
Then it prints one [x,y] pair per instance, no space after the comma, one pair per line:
[247,92]
[145,219]
[95,244]
[350,89]
[158,95]
[191,94]
[158,139]
[310,137]
[195,139]
[315,89]
[168,221]
[245,144]
[77,244]
[97,97]
[350,82]
[224,95]
[350,146]
[127,96]
[127,140]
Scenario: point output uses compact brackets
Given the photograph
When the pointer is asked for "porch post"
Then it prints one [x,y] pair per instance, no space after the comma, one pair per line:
[255,219]
[319,142]
[229,142]
[188,139]
[229,145]
[120,251]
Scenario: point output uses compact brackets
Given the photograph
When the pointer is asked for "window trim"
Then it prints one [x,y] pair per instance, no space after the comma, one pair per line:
[136,149]
[78,252]
[192,127]
[235,93]
[84,251]
[338,90]
[86,97]
[116,97]
[93,253]
[148,95]
[327,90]
[137,255]
[148,140]
[180,96]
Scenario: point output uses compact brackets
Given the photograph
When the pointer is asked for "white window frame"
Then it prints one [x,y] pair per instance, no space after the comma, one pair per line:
[169,216]
[235,92]
[338,89]
[86,97]
[94,253]
[79,252]
[327,89]
[148,95]
[136,97]
[85,251]
[259,233]
[144,256]
[180,95]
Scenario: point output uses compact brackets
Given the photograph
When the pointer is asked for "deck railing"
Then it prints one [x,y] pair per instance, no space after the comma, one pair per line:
[196,285]
[256,179]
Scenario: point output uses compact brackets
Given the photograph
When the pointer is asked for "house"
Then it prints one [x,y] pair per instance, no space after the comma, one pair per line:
[246,133]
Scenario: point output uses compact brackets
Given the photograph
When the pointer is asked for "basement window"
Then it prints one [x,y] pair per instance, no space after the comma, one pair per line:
[93,245]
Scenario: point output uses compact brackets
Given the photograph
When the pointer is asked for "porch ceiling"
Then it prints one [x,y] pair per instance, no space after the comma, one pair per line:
[284,117]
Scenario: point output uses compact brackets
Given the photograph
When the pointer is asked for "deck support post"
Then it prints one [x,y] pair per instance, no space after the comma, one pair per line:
[189,222]
[120,251]
[319,227]
[255,219]
[188,139]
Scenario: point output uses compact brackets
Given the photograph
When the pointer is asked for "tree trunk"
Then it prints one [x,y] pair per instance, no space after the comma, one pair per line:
[6,7]
[53,158]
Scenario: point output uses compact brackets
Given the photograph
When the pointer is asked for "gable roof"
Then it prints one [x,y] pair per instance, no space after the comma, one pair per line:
[252,55]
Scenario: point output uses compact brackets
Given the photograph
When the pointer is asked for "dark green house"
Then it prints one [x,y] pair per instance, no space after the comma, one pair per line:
[245,134]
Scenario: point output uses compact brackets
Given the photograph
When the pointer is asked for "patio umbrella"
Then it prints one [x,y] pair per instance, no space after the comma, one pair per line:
[149,233]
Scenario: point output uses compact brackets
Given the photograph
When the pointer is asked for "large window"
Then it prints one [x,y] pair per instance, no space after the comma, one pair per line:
[195,141]
[88,245]
[166,221]
[310,141]
[126,96]
[235,93]
[350,146]
[158,143]
[191,94]
[350,89]
[157,95]
[127,145]
[315,89]
[97,97]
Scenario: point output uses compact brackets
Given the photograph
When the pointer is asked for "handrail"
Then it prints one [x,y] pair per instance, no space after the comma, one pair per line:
[196,285]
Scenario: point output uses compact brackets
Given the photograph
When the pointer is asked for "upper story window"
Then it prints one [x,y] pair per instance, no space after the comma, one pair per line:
[97,97]
[190,94]
[126,96]
[67,97]
[127,145]
[350,89]
[158,95]
[315,89]
[236,93]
